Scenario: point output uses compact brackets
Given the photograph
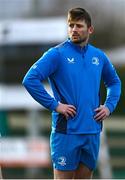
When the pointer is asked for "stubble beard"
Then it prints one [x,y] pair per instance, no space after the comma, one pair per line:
[80,40]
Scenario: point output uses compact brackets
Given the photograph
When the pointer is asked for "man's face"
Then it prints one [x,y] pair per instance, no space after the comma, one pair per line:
[78,31]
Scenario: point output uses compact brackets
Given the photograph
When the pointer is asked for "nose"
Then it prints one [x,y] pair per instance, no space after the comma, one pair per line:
[74,28]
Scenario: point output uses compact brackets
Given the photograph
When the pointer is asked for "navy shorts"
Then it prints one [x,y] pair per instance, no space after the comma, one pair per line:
[69,150]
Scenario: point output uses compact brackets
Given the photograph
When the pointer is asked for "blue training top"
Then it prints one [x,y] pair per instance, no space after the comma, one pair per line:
[74,74]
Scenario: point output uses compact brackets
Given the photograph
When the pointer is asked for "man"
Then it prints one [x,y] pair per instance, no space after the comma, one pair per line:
[75,69]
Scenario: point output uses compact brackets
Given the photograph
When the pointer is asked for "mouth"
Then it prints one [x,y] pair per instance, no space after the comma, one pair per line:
[75,36]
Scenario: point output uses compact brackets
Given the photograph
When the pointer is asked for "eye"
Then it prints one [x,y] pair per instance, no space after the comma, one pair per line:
[71,25]
[79,25]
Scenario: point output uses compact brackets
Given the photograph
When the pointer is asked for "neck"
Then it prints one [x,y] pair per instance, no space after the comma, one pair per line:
[83,44]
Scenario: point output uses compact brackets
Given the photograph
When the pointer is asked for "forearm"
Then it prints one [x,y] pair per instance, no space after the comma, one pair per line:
[38,92]
[113,95]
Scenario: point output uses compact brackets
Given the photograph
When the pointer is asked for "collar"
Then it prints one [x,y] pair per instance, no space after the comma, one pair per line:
[78,47]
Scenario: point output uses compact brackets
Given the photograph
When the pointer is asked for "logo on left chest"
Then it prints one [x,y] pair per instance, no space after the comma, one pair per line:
[95,61]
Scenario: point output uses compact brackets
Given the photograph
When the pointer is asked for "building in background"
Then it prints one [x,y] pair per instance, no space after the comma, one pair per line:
[107,15]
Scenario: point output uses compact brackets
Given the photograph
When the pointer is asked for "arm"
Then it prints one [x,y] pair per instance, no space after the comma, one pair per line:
[32,81]
[113,86]
[41,70]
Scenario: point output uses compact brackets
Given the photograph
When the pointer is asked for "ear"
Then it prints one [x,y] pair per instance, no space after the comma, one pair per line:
[91,29]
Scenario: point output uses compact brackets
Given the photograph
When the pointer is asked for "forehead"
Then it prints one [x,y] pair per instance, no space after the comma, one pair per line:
[81,22]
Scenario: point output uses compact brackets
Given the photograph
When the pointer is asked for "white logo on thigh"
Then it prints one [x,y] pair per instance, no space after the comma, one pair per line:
[62,161]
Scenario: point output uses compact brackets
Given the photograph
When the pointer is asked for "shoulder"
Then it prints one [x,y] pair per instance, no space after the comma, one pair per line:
[95,49]
[50,53]
[55,49]
[99,52]
[62,45]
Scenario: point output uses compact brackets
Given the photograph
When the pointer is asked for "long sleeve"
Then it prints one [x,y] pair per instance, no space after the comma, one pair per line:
[41,70]
[112,83]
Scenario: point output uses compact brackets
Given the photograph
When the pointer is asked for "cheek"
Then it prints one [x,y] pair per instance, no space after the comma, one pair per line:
[69,30]
[84,32]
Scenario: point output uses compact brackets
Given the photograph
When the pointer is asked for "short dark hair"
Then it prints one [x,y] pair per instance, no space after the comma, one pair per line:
[79,14]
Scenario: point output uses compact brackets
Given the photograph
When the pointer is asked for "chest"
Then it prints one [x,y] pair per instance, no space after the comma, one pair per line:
[80,64]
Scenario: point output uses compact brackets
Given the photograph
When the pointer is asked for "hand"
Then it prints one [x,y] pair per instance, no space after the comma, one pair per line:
[101,113]
[66,110]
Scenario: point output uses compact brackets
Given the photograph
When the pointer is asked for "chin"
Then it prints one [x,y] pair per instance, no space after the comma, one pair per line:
[76,41]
